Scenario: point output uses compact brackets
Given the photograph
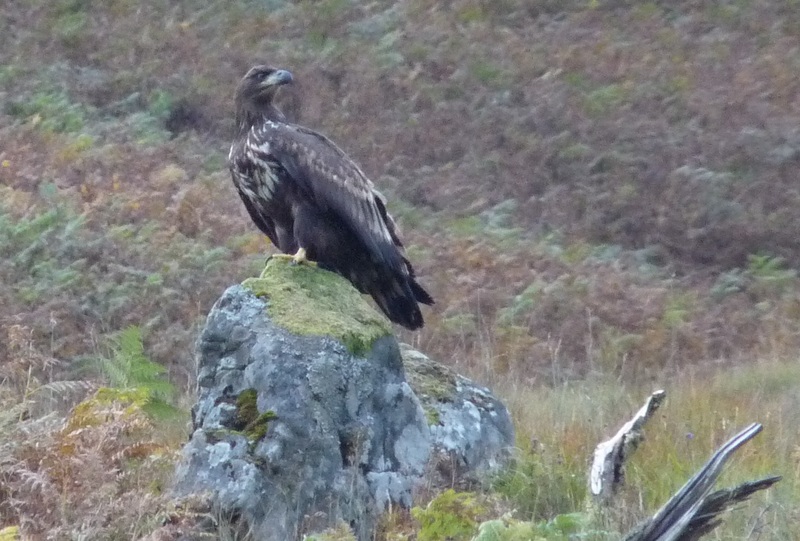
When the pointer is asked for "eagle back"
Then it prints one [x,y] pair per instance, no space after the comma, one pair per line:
[321,171]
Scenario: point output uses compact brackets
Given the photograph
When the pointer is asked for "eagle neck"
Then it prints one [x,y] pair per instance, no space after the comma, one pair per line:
[247,117]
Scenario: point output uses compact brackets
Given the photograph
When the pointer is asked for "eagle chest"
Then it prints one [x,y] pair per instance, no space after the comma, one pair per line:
[262,180]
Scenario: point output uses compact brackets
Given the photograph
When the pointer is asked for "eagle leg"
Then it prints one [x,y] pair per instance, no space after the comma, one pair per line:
[297,259]
[300,257]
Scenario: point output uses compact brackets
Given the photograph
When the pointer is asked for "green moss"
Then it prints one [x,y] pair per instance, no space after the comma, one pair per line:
[9,533]
[432,416]
[214,435]
[307,300]
[340,532]
[451,515]
[246,408]
[430,380]
[252,424]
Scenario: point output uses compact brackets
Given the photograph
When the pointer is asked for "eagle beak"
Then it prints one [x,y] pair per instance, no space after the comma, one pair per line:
[279,77]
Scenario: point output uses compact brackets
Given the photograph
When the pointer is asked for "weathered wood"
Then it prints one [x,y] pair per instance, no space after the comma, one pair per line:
[607,472]
[693,512]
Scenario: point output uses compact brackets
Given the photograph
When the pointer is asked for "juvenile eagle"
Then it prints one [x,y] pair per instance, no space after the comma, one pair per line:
[314,202]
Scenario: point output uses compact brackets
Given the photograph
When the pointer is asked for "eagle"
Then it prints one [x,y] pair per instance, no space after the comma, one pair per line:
[314,202]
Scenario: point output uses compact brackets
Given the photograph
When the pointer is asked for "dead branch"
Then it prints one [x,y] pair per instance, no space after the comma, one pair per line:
[693,512]
[607,472]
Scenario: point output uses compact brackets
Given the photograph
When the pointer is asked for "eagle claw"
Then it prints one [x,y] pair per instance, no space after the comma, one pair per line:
[297,259]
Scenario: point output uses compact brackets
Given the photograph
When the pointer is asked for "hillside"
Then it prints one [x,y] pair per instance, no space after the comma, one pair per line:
[599,193]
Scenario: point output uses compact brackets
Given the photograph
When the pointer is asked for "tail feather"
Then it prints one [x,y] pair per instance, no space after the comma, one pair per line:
[397,296]
[395,290]
[420,294]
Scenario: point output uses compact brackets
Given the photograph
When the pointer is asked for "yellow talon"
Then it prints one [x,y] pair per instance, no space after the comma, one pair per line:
[297,259]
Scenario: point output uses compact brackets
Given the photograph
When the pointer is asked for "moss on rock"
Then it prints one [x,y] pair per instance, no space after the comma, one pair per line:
[252,424]
[432,416]
[246,407]
[307,300]
[431,381]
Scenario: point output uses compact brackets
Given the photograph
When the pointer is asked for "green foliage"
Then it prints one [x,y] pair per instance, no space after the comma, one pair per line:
[541,486]
[459,323]
[615,346]
[9,533]
[466,226]
[677,310]
[31,247]
[495,223]
[472,13]
[161,103]
[770,273]
[489,73]
[323,17]
[70,27]
[523,303]
[9,73]
[601,101]
[451,516]
[432,416]
[129,368]
[561,528]
[574,152]
[50,110]
[765,275]
[730,282]
[145,128]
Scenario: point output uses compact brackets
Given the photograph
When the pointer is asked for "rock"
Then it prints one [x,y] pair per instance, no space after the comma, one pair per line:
[305,417]
[471,431]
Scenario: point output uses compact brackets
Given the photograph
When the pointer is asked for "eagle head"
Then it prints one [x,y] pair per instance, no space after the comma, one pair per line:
[255,94]
[259,85]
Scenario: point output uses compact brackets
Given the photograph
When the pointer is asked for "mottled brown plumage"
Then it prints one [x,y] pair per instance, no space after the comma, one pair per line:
[305,193]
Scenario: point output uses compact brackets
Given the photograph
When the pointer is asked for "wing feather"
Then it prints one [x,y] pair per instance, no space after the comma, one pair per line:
[239,165]
[334,182]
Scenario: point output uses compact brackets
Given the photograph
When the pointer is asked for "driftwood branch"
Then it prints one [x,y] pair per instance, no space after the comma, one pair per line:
[693,512]
[607,472]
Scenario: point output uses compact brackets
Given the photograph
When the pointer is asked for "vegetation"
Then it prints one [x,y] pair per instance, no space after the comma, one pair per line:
[450,515]
[600,194]
[248,419]
[309,301]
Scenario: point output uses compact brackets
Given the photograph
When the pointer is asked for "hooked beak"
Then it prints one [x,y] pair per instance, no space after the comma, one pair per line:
[279,77]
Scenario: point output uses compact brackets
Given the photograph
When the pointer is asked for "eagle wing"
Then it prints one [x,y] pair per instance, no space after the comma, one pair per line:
[244,173]
[334,182]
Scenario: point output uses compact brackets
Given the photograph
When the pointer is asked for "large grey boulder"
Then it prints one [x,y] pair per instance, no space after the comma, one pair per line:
[306,417]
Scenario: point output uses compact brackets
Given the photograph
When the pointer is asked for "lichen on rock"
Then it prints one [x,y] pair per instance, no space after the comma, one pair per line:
[307,300]
[471,430]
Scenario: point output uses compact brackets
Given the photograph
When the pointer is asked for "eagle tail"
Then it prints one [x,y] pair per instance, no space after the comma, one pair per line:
[417,290]
[419,293]
[398,296]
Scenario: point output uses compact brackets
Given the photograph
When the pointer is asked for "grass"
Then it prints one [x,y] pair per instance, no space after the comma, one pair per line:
[559,427]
